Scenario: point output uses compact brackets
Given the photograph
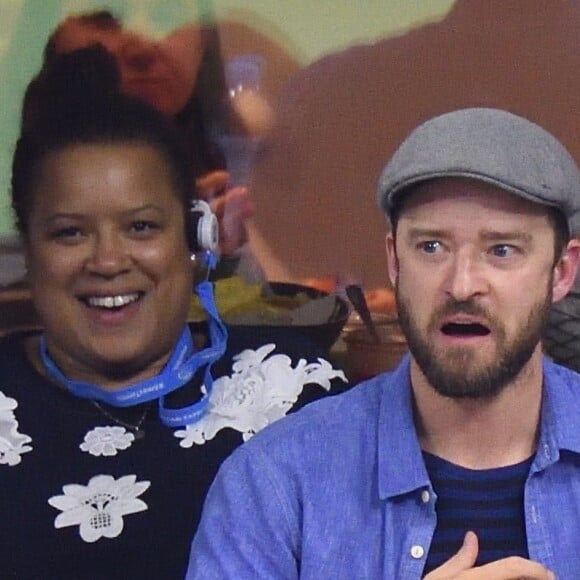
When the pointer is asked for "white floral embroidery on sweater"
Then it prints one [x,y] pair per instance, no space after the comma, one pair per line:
[260,391]
[12,443]
[98,508]
[107,440]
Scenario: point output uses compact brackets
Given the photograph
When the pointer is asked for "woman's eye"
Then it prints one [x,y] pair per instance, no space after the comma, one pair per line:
[67,233]
[143,226]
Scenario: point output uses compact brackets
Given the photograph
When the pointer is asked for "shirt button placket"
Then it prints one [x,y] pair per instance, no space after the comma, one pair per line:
[417,551]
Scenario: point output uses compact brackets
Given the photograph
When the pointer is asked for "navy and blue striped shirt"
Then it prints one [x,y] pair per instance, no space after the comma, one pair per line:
[489,502]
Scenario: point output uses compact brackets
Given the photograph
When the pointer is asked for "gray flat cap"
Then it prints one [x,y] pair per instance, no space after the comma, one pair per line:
[489,145]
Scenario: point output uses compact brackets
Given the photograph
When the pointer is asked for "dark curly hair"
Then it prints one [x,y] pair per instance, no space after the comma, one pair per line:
[73,106]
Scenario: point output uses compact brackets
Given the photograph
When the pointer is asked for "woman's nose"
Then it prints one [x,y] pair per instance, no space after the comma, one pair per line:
[109,256]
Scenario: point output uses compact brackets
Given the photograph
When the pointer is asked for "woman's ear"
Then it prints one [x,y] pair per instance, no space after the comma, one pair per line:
[26,252]
[566,270]
[392,261]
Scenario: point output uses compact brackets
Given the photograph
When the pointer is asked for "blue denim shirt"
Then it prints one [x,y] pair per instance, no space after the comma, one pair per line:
[340,490]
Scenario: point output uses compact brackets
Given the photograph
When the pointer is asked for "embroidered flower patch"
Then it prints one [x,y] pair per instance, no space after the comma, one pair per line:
[107,441]
[98,508]
[260,391]
[12,443]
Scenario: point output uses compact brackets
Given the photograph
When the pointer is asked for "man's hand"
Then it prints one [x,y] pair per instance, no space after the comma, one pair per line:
[232,208]
[461,566]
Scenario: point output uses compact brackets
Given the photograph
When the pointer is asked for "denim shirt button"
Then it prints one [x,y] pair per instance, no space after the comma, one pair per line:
[417,552]
[425,496]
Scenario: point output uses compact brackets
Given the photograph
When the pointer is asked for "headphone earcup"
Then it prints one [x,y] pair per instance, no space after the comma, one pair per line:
[203,228]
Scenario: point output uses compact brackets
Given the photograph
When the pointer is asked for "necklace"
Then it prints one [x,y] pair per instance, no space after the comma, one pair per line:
[135,428]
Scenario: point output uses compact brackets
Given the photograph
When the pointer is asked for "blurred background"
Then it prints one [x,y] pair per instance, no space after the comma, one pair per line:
[289,35]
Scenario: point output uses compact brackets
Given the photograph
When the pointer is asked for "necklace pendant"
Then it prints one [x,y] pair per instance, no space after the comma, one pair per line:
[132,429]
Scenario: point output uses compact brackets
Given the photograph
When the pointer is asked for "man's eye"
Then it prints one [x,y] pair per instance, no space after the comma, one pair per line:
[430,247]
[503,251]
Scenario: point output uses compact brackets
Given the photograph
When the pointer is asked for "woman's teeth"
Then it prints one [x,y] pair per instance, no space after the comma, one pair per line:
[112,301]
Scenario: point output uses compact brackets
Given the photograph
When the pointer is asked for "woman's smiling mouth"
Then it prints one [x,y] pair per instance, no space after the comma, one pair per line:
[113,301]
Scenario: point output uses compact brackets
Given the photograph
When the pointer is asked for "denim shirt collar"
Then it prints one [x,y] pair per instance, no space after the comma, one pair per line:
[400,464]
[401,469]
[559,416]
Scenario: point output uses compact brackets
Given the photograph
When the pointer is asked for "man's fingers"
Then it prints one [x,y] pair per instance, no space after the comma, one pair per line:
[514,568]
[463,560]
[461,566]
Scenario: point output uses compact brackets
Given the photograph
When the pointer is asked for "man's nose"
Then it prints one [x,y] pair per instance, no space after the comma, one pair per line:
[466,277]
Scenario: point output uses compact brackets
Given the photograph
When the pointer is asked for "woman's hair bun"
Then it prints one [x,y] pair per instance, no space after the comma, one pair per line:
[73,83]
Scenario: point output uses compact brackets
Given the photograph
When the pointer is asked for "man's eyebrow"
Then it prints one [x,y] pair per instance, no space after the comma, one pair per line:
[488,236]
[419,232]
[508,236]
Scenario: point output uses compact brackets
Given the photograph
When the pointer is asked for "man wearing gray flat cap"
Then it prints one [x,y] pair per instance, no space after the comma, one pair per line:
[464,462]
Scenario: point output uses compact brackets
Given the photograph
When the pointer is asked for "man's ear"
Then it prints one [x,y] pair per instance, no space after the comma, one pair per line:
[392,261]
[565,270]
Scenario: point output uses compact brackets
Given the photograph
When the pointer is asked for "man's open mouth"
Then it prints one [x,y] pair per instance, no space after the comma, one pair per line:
[465,329]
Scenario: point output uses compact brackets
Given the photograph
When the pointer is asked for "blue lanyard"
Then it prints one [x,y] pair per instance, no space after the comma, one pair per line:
[183,364]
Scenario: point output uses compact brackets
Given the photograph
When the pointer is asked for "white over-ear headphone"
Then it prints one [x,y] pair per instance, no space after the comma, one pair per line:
[202,228]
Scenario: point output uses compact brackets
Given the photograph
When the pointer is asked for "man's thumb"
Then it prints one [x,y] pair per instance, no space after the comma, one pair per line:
[463,560]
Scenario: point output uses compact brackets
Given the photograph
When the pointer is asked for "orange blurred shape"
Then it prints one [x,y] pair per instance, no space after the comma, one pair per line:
[378,299]
[381,300]
[325,284]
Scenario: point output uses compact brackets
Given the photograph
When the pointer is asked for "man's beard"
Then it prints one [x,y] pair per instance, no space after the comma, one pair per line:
[456,372]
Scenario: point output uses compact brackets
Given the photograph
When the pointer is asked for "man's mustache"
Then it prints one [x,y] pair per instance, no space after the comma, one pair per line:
[469,307]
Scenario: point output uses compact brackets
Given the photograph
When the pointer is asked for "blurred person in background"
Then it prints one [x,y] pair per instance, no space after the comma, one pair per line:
[182,76]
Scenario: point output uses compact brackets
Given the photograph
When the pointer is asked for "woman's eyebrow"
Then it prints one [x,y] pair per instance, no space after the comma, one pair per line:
[139,209]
